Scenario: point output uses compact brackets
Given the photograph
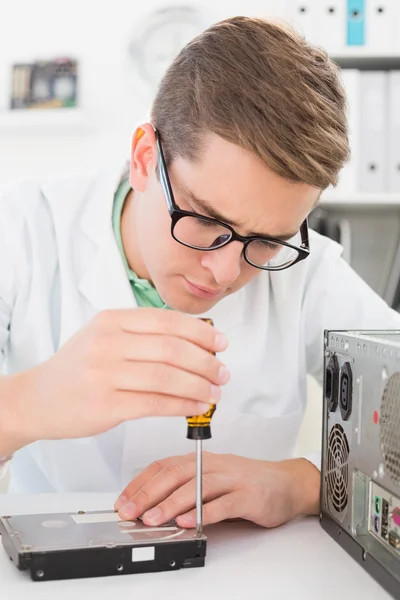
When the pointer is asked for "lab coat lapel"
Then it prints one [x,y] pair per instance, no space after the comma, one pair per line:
[89,256]
[105,283]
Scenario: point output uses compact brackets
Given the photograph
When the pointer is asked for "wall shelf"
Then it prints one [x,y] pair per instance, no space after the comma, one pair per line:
[360,199]
[43,120]
[361,58]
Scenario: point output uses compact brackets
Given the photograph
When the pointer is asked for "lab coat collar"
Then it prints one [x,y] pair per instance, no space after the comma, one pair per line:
[105,283]
[89,258]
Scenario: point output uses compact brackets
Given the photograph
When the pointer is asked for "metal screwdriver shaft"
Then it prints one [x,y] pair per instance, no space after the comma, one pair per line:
[199,488]
[199,429]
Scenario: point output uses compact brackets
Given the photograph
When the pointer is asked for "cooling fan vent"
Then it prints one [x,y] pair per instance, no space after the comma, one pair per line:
[390,427]
[338,468]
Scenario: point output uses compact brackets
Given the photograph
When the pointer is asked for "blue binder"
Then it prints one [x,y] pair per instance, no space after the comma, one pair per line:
[355,22]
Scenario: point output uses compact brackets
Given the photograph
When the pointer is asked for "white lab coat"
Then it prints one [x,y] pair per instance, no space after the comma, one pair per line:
[60,265]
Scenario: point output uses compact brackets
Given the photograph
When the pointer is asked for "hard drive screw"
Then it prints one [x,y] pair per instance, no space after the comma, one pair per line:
[172,563]
[40,574]
[120,568]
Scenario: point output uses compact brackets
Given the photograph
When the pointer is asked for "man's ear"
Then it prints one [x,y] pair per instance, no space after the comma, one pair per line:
[143,156]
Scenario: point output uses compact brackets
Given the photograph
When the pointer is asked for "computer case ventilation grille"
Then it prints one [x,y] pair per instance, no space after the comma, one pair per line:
[390,427]
[338,468]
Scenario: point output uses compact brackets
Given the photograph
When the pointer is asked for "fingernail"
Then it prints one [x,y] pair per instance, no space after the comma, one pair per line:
[153,515]
[220,342]
[120,502]
[223,375]
[215,392]
[203,407]
[128,511]
[186,521]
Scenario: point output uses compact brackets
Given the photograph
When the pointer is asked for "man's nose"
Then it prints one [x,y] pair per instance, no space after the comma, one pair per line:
[224,263]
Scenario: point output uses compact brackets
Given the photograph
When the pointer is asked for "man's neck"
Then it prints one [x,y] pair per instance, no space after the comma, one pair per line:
[129,240]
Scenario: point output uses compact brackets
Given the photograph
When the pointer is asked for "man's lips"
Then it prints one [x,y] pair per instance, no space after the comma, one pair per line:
[202,292]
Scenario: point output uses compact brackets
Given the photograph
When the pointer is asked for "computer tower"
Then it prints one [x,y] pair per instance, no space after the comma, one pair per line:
[360,468]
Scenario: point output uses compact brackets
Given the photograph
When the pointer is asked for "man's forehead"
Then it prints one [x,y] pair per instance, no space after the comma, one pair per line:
[237,188]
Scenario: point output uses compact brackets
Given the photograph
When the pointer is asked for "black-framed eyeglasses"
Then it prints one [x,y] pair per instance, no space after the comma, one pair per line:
[204,233]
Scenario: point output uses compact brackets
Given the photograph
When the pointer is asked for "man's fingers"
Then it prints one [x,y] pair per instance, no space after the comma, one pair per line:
[184,498]
[168,322]
[149,473]
[172,351]
[227,506]
[135,405]
[164,379]
[161,486]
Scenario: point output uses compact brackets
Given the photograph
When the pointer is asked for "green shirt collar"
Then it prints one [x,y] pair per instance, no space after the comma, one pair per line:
[145,293]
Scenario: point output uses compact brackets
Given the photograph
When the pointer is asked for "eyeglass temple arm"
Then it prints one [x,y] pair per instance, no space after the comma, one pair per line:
[165,182]
[304,233]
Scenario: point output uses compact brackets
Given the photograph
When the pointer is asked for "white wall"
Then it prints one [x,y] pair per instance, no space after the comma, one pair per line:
[113,99]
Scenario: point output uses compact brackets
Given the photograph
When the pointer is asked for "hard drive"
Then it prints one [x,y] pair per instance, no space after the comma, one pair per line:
[96,544]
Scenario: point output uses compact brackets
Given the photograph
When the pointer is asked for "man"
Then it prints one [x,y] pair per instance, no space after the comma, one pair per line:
[103,278]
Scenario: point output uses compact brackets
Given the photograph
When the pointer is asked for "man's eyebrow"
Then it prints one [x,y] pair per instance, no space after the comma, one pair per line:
[208,211]
[205,207]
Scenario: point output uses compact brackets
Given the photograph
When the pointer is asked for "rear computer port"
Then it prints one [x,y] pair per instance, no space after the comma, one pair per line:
[384,532]
[394,540]
[385,521]
[385,508]
[331,383]
[346,391]
[377,504]
[376,523]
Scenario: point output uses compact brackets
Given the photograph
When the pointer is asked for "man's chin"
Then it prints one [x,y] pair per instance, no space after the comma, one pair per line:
[194,307]
[190,305]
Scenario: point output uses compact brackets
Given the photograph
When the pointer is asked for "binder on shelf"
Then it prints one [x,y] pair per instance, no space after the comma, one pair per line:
[331,21]
[355,22]
[394,131]
[393,283]
[373,131]
[381,25]
[304,18]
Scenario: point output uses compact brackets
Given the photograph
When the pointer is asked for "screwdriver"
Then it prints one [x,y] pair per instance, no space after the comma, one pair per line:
[199,429]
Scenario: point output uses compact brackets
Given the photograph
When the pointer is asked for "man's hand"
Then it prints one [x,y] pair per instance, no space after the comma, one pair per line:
[267,493]
[124,364]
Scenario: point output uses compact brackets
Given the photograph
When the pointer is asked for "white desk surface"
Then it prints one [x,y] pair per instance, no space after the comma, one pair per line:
[295,561]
